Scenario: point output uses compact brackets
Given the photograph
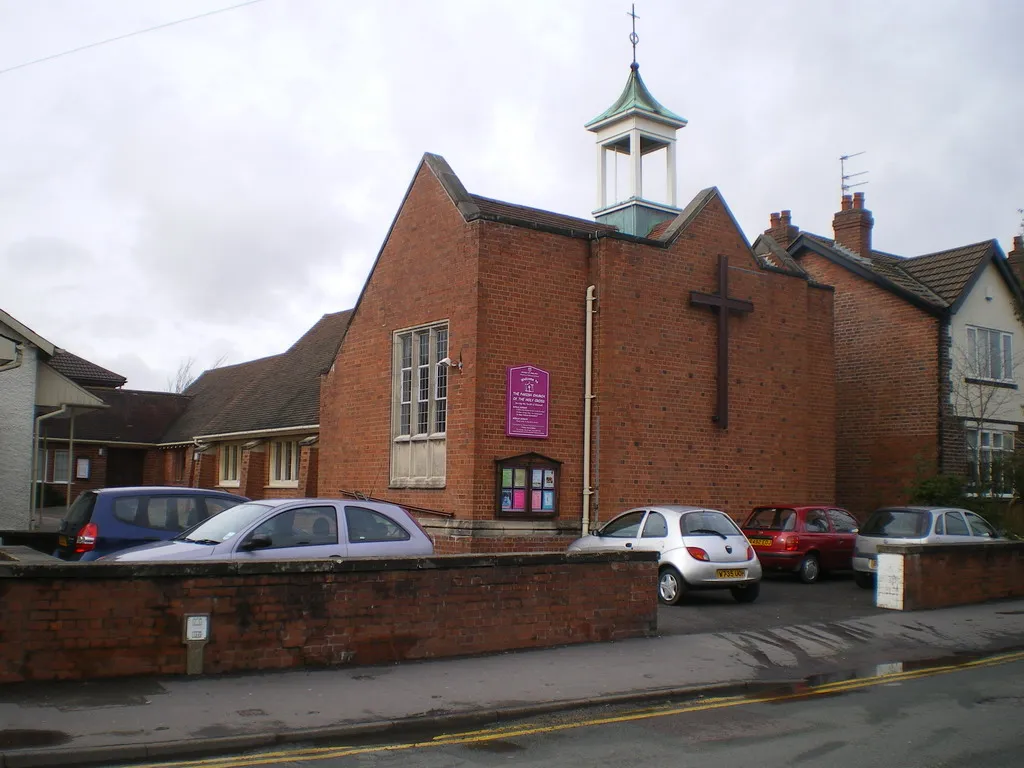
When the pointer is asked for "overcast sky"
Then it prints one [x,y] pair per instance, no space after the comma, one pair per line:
[213,188]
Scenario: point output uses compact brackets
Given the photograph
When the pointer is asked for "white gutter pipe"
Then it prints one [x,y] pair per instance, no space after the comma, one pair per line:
[35,458]
[588,395]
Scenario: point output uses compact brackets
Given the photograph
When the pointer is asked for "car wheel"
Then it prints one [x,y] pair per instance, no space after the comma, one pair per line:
[671,586]
[810,569]
[747,594]
[864,580]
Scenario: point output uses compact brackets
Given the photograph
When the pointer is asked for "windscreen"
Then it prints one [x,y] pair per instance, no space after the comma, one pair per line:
[898,524]
[223,526]
[772,519]
[707,523]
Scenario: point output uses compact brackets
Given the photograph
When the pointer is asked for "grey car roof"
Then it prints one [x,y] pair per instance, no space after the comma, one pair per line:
[677,508]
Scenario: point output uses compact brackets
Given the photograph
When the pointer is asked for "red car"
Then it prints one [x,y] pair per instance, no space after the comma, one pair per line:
[806,540]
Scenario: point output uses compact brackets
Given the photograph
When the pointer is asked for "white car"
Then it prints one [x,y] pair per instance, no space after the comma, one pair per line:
[699,548]
[914,525]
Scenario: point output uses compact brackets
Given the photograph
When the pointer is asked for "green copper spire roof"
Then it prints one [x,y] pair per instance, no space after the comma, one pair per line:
[636,96]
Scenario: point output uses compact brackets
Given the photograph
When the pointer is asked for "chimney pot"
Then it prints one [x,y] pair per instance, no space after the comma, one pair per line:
[1018,242]
[786,215]
[847,202]
[775,220]
[858,199]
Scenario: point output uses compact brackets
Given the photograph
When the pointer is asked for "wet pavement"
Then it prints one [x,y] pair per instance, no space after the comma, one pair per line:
[106,722]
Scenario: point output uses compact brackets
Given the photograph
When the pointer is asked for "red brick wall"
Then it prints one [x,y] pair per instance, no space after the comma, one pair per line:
[309,463]
[960,574]
[513,296]
[97,469]
[91,621]
[887,389]
[657,378]
[252,473]
[426,272]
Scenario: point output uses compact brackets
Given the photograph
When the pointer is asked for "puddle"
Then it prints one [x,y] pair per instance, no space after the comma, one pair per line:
[27,738]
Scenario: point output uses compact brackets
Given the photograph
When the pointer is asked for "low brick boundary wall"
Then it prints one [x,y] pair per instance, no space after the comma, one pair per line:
[92,620]
[953,574]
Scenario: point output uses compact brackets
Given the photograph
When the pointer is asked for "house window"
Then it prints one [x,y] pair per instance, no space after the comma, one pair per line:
[527,486]
[989,455]
[61,470]
[419,407]
[229,464]
[284,463]
[989,354]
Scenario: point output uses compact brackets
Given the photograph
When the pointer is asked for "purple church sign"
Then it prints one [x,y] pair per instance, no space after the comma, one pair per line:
[526,402]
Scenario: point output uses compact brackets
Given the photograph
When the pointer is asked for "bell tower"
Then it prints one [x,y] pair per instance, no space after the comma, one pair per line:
[636,126]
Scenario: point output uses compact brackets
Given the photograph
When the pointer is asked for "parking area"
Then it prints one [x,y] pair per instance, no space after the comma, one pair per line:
[784,601]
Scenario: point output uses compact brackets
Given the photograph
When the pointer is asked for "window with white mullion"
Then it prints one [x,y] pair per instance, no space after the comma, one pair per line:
[423,382]
[441,384]
[990,354]
[405,398]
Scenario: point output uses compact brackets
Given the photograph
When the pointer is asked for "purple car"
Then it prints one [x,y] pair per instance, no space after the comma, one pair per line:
[293,529]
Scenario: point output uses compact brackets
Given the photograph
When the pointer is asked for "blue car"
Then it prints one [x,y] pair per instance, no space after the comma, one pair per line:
[108,520]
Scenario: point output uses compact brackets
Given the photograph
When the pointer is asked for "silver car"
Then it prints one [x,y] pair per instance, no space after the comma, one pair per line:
[914,525]
[292,529]
[699,548]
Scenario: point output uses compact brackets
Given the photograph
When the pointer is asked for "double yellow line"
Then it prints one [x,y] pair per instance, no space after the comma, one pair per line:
[516,731]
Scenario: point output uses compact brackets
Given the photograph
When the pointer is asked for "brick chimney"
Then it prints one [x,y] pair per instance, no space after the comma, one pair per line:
[781,230]
[852,225]
[1016,257]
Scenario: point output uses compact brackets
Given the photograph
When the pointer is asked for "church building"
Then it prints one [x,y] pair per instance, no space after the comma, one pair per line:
[516,376]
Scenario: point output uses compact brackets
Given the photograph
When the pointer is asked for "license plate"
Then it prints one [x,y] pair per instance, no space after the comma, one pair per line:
[873,565]
[62,541]
[731,573]
[761,542]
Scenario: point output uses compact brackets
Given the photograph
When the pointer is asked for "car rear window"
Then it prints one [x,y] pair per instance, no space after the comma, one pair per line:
[707,523]
[773,519]
[898,523]
[81,511]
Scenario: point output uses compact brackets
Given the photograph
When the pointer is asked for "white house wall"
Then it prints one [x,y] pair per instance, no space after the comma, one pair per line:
[995,313]
[17,400]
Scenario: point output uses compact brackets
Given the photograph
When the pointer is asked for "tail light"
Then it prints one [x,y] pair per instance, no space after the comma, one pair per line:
[791,543]
[698,554]
[85,541]
[750,553]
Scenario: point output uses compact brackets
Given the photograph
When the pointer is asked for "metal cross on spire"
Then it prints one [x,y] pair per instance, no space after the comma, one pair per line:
[633,37]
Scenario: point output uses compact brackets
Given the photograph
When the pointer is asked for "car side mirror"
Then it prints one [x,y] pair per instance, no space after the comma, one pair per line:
[256,542]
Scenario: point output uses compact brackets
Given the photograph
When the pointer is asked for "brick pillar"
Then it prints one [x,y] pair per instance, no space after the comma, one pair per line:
[1016,257]
[252,474]
[782,230]
[852,225]
[309,460]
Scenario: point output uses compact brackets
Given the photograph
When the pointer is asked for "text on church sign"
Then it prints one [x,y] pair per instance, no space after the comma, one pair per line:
[526,402]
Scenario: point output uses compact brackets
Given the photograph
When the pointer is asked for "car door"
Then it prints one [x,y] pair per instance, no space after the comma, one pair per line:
[844,533]
[372,533]
[653,534]
[623,532]
[306,532]
[980,527]
[952,528]
[817,536]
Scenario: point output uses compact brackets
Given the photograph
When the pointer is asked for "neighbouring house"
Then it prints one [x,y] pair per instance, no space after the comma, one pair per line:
[525,374]
[253,428]
[40,384]
[928,356]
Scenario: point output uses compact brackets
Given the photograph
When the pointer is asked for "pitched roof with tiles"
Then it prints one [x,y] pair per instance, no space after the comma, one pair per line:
[948,273]
[273,393]
[131,416]
[83,372]
[890,269]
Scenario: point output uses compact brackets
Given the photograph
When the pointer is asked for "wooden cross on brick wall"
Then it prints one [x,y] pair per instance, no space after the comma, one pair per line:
[723,305]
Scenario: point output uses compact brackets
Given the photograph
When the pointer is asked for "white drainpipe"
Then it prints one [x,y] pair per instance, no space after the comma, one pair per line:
[35,458]
[588,395]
